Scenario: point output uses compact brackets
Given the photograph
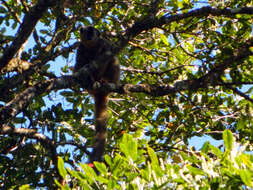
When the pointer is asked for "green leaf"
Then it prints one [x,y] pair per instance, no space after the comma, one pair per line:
[60,185]
[61,168]
[2,10]
[164,39]
[108,160]
[153,157]
[74,174]
[246,177]
[145,173]
[19,119]
[195,171]
[129,146]
[89,172]
[44,31]
[241,124]
[65,68]
[244,158]
[24,187]
[117,161]
[216,151]
[205,147]
[100,167]
[228,139]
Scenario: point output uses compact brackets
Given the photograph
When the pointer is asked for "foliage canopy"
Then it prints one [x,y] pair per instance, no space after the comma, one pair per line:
[186,72]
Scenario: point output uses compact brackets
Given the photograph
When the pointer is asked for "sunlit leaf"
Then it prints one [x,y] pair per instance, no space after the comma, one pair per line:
[228,139]
[246,177]
[61,168]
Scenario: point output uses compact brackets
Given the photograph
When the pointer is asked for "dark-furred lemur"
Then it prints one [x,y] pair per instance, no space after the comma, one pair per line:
[91,47]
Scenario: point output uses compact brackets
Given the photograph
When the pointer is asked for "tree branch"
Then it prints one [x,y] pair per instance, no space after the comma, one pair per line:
[11,11]
[32,133]
[238,92]
[205,11]
[150,22]
[238,56]
[133,70]
[12,108]
[25,29]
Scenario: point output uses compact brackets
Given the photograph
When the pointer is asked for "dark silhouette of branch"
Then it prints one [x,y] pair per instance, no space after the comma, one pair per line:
[12,145]
[238,83]
[133,70]
[11,11]
[151,21]
[15,106]
[25,29]
[236,58]
[238,92]
[33,134]
[26,70]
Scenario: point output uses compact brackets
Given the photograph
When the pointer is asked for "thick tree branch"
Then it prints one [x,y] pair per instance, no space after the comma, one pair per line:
[12,108]
[150,22]
[27,69]
[25,29]
[236,58]
[133,70]
[33,134]
[238,92]
[15,106]
[205,11]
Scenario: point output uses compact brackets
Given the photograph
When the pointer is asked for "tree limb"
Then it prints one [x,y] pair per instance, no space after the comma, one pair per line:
[15,106]
[25,29]
[27,69]
[33,134]
[11,11]
[238,92]
[133,70]
[150,22]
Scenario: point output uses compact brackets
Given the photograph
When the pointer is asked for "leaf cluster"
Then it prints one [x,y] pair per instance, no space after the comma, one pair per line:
[138,168]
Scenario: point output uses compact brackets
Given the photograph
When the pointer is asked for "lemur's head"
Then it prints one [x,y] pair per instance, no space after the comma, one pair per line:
[89,35]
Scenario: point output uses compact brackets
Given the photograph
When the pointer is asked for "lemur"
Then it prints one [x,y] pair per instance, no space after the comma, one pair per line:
[91,47]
